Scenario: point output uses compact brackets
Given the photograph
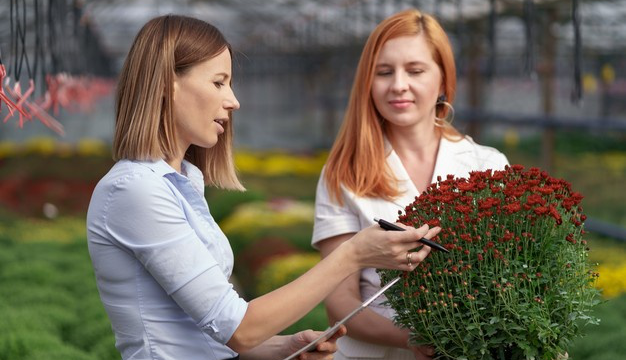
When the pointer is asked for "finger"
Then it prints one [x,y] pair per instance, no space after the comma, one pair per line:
[330,345]
[419,256]
[432,232]
[410,258]
[412,234]
[309,335]
[341,332]
[430,352]
[426,350]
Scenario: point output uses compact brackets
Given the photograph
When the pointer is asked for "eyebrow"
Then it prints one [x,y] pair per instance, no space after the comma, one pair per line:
[225,75]
[411,63]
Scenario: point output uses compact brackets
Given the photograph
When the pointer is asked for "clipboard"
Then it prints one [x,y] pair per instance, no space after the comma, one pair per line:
[333,329]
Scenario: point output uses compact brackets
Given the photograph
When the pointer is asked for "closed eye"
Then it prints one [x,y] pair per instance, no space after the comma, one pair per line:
[218,84]
[415,71]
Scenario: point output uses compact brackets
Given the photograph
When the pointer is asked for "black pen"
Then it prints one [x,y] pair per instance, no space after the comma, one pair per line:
[391,226]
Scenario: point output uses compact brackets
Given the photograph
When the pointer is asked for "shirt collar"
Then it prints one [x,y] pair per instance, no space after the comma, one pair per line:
[193,173]
[161,168]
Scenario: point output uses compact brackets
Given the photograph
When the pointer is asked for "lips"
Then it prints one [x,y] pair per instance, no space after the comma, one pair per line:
[400,103]
[220,125]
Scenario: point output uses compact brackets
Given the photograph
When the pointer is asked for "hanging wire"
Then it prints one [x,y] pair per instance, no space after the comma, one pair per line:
[529,10]
[577,92]
[38,55]
[491,61]
[13,39]
[54,60]
[460,32]
[20,41]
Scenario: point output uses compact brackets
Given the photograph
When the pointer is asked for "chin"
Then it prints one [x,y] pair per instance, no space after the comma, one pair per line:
[402,122]
[207,144]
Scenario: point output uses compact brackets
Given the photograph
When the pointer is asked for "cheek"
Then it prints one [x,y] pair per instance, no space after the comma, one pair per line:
[378,94]
[427,88]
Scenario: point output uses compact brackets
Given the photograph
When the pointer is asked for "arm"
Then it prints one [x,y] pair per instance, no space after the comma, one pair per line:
[368,326]
[371,247]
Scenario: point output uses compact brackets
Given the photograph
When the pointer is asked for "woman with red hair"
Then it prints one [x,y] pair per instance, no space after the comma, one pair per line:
[395,140]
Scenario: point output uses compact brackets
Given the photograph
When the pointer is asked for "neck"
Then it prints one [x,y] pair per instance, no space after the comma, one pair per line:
[420,141]
[176,161]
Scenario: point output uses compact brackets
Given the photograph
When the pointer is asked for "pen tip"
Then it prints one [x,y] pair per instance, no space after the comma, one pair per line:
[376,219]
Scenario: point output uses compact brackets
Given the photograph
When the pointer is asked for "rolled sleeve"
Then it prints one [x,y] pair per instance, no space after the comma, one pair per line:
[213,303]
[331,219]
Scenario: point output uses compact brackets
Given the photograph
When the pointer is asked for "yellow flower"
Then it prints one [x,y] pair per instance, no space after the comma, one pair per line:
[612,280]
[615,162]
[278,164]
[284,269]
[91,147]
[8,148]
[256,215]
[247,162]
[40,145]
[61,230]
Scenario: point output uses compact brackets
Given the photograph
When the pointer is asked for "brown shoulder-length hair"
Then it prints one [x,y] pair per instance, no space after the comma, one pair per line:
[357,158]
[144,122]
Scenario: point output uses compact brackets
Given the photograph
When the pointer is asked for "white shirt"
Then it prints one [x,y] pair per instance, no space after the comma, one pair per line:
[331,219]
[162,264]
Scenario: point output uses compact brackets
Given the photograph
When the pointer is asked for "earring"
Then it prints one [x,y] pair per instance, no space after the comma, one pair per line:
[442,101]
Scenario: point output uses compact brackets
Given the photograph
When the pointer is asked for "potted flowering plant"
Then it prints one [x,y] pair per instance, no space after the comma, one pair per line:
[516,283]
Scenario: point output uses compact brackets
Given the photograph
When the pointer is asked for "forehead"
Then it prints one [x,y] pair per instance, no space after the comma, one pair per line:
[221,63]
[404,49]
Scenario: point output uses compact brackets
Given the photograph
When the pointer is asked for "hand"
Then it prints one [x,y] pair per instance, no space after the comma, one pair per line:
[378,248]
[324,350]
[422,352]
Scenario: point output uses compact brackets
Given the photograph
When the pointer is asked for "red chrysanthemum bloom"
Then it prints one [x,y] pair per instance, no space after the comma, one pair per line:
[505,231]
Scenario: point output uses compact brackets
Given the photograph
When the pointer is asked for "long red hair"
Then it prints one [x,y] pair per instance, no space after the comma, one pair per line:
[357,158]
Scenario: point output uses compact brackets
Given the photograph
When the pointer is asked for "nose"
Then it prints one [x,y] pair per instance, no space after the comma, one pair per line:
[399,83]
[231,103]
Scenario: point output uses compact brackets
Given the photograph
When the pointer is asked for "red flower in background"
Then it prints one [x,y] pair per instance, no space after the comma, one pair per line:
[517,271]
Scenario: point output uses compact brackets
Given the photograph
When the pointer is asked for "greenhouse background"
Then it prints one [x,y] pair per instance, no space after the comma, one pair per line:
[544,81]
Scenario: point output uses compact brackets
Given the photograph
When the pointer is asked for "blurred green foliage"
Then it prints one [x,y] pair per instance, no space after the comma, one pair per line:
[49,303]
[223,202]
[604,341]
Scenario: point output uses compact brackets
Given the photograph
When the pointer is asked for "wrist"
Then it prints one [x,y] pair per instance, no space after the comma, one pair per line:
[349,256]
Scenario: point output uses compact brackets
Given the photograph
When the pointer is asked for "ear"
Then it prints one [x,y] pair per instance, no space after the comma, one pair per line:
[442,91]
[175,86]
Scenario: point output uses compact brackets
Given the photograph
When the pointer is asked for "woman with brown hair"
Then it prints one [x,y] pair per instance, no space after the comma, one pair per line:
[161,262]
[395,140]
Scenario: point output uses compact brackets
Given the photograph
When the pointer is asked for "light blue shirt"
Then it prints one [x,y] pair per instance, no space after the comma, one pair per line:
[162,263]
